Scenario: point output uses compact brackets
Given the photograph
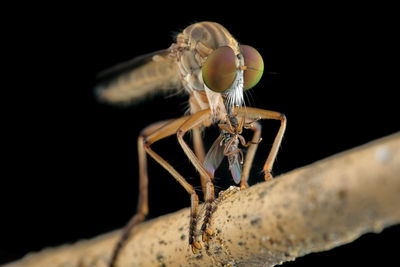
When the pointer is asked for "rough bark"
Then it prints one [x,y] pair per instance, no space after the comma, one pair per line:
[314,208]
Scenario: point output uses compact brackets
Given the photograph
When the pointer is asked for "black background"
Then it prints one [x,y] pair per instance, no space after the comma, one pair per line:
[70,166]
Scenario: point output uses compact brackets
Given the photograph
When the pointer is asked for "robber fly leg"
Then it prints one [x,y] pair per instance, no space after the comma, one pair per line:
[195,120]
[209,209]
[179,127]
[251,151]
[200,154]
[149,135]
[255,113]
[143,207]
[194,200]
[168,130]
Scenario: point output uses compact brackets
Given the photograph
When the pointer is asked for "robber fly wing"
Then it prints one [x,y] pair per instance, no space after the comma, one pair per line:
[214,155]
[134,80]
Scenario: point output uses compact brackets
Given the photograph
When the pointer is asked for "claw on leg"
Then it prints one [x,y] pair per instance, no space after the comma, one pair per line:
[195,247]
[207,233]
[268,176]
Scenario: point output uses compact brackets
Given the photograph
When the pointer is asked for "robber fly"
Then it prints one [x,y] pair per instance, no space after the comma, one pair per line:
[209,65]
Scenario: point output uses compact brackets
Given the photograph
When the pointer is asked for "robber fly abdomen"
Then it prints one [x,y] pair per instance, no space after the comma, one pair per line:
[215,71]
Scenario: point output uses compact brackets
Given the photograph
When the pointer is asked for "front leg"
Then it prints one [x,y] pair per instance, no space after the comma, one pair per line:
[255,113]
[194,121]
[166,130]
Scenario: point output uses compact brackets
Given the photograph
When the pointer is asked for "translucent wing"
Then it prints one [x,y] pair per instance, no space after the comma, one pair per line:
[135,79]
[235,167]
[214,155]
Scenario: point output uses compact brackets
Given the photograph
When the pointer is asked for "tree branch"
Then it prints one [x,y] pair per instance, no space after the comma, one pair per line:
[314,208]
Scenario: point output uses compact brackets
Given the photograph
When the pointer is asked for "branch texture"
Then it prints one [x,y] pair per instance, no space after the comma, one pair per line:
[314,208]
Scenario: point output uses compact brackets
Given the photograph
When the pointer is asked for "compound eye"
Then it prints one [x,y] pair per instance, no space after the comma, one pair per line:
[254,66]
[219,70]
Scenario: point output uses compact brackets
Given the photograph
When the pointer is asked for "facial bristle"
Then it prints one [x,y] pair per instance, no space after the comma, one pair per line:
[235,93]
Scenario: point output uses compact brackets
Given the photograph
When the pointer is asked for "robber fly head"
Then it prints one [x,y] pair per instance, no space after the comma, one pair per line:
[231,74]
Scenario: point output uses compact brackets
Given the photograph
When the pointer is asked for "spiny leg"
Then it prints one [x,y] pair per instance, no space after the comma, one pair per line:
[255,113]
[142,208]
[207,232]
[192,122]
[193,197]
[149,135]
[168,130]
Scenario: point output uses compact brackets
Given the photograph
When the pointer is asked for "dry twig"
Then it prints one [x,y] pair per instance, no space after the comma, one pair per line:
[315,208]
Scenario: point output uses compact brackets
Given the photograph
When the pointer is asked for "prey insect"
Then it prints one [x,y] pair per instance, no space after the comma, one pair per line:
[214,70]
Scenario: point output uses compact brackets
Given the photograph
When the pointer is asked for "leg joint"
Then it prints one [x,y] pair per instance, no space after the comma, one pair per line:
[145,142]
[282,117]
[180,133]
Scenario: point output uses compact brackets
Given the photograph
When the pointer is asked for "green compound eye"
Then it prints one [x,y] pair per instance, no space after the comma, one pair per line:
[219,70]
[254,66]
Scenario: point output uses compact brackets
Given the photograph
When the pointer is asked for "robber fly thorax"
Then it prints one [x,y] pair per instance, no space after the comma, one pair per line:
[215,71]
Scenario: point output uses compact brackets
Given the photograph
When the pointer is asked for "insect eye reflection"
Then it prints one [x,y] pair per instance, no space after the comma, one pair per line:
[219,70]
